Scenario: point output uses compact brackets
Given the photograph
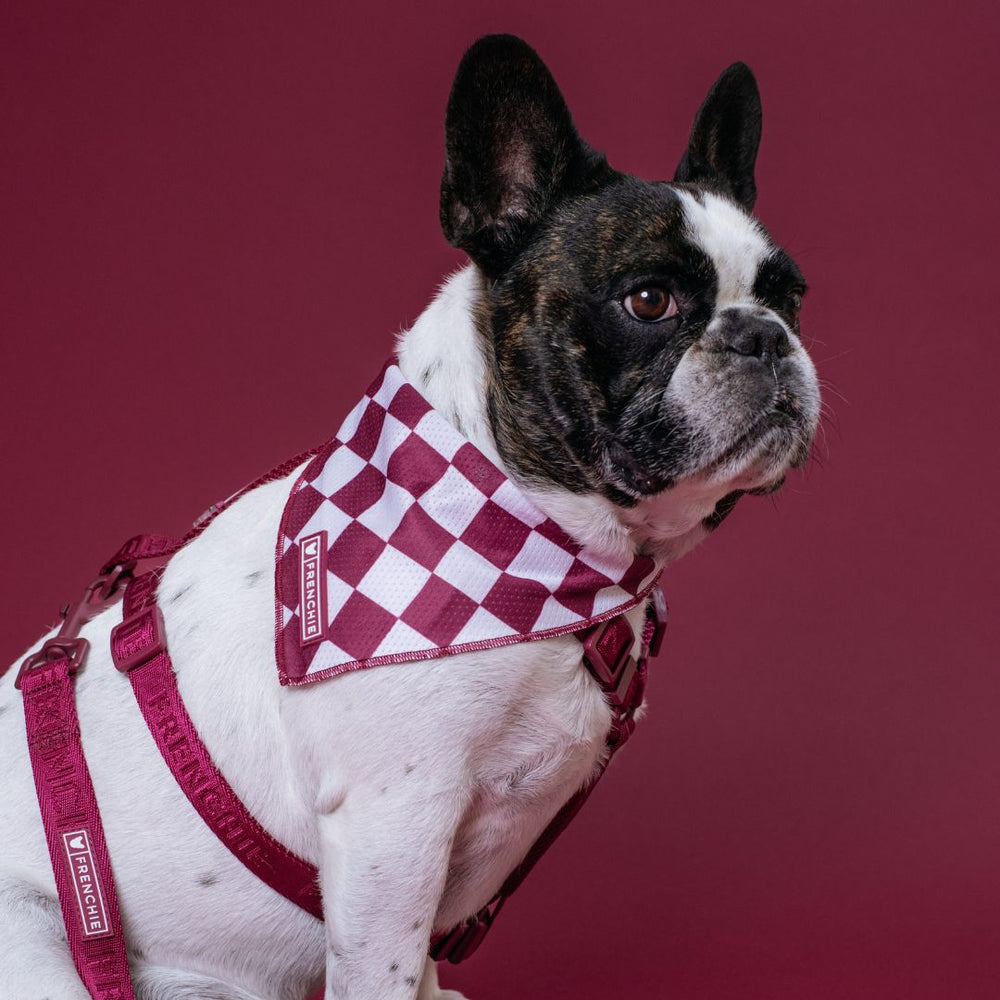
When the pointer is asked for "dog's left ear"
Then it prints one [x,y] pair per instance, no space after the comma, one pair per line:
[723,146]
[512,152]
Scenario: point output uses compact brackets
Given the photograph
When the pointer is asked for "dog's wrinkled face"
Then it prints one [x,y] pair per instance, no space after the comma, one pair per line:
[640,335]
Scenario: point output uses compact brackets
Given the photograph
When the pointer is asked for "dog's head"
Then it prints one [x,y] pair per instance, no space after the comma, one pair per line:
[641,337]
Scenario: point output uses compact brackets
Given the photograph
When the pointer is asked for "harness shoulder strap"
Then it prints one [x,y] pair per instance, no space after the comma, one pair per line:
[70,815]
[73,829]
[138,648]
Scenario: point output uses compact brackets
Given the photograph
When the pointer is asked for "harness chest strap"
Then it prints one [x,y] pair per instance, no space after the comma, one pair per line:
[74,833]
[138,648]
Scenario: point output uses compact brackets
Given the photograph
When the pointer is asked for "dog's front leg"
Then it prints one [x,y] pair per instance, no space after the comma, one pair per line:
[384,867]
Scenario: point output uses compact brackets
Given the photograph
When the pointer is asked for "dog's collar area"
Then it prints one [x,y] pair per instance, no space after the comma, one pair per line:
[402,541]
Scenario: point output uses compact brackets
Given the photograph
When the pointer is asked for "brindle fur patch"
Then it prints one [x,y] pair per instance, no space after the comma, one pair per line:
[576,386]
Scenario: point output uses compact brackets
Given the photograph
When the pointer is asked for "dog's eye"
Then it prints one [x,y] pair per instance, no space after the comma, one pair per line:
[793,302]
[650,304]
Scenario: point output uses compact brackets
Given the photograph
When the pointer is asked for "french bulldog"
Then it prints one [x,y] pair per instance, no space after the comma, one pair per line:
[628,353]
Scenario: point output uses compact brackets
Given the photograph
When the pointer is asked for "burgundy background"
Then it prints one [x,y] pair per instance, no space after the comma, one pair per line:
[215,216]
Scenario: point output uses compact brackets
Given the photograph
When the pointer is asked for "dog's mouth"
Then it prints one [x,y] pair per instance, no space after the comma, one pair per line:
[762,451]
[754,462]
[715,432]
[774,439]
[710,476]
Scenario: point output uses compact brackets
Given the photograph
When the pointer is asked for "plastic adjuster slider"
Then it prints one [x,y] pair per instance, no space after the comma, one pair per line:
[138,638]
[607,654]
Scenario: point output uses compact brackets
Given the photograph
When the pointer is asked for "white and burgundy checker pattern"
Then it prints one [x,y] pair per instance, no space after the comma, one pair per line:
[429,549]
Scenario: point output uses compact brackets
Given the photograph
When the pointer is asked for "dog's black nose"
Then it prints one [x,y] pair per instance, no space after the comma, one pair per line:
[756,337]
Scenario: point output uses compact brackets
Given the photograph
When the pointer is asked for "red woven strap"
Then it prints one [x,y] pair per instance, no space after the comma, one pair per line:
[138,647]
[73,830]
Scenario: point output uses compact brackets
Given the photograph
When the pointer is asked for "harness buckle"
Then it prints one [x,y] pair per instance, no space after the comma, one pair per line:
[607,654]
[73,651]
[607,648]
[66,644]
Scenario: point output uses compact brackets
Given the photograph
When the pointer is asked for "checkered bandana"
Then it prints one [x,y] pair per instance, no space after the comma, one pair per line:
[402,541]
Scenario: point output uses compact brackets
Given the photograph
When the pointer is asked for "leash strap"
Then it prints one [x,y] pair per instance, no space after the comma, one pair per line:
[73,830]
[138,647]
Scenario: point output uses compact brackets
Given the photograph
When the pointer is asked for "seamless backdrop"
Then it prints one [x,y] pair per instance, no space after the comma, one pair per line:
[215,216]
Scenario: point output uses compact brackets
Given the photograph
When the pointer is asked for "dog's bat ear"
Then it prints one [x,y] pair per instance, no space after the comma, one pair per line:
[723,146]
[512,152]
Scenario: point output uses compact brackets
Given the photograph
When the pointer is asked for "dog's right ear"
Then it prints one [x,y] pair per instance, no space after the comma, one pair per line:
[512,152]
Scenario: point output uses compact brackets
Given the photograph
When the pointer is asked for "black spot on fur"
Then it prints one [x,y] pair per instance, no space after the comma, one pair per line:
[254,577]
[409,769]
[177,595]
[35,897]
[207,879]
[410,980]
[394,967]
[416,925]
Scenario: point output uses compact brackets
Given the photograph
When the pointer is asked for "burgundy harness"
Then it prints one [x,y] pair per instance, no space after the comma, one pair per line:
[68,805]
